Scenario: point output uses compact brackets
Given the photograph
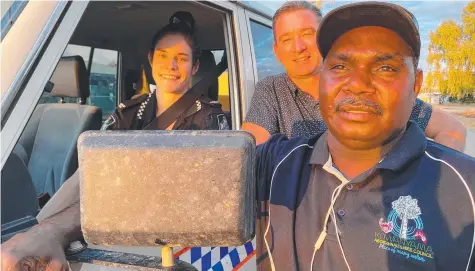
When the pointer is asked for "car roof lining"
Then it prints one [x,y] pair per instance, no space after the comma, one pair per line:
[130,26]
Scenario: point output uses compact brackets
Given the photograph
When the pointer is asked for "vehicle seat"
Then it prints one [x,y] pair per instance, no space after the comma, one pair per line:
[130,83]
[207,63]
[51,134]
[18,193]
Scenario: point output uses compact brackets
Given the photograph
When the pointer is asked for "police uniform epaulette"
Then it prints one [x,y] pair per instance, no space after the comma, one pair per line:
[136,100]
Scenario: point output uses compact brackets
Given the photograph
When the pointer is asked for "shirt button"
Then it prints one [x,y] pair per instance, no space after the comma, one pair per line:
[341,213]
[349,187]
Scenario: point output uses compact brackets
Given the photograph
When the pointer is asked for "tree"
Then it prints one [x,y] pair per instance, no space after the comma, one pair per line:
[318,3]
[406,208]
[451,57]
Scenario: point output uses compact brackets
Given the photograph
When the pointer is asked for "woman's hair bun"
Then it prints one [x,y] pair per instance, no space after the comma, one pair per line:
[183,23]
[183,18]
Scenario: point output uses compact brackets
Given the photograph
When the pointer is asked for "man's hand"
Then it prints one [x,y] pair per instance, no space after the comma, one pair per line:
[257,131]
[36,249]
[42,247]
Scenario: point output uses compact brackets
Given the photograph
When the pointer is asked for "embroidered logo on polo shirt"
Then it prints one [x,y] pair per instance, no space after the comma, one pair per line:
[403,231]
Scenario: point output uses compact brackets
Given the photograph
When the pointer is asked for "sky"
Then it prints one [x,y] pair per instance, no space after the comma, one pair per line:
[429,15]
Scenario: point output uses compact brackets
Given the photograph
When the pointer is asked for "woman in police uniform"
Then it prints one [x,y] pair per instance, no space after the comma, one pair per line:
[174,60]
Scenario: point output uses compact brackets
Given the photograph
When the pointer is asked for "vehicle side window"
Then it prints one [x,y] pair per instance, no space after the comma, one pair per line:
[11,10]
[266,62]
[102,78]
[103,81]
[223,83]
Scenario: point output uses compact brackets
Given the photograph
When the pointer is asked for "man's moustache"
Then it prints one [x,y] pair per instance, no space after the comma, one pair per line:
[359,102]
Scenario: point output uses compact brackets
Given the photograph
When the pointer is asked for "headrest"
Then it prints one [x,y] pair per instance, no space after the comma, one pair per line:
[70,78]
[207,62]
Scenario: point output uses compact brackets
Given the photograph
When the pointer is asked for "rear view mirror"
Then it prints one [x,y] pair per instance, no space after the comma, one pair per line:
[167,188]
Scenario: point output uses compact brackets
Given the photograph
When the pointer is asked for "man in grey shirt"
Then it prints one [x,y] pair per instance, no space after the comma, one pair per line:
[288,103]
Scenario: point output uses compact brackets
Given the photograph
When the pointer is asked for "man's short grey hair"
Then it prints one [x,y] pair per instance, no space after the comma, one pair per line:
[295,5]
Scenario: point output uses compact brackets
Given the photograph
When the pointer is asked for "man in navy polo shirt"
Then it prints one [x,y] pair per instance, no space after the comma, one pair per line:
[371,193]
[289,103]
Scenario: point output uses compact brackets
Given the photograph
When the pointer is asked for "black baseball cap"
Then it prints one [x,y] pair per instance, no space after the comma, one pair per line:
[345,18]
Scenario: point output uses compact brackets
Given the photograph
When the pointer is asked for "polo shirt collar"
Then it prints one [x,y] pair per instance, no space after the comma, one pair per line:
[296,92]
[292,86]
[320,153]
[411,145]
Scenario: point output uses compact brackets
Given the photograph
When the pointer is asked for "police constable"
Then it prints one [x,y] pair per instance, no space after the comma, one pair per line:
[174,58]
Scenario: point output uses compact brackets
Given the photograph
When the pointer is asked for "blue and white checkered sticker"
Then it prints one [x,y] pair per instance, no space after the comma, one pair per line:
[217,258]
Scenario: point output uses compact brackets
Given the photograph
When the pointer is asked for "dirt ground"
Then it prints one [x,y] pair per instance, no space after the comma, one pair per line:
[465,113]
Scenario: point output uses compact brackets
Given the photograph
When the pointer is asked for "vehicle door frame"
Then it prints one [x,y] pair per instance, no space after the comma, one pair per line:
[235,37]
[37,70]
[246,59]
[257,18]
